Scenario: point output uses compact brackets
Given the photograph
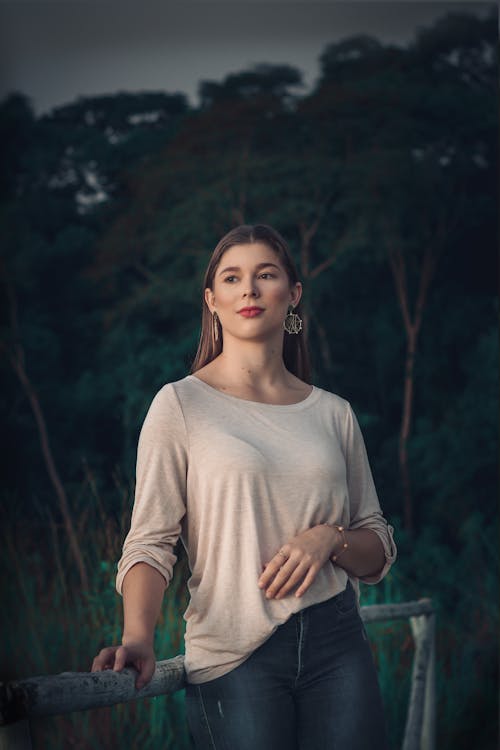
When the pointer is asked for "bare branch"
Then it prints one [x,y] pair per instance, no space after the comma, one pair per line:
[17,361]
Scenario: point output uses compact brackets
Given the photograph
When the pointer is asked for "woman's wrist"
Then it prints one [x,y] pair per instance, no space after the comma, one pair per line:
[340,543]
[135,638]
[363,548]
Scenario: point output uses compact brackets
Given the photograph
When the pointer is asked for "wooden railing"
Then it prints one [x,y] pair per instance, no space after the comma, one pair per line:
[49,695]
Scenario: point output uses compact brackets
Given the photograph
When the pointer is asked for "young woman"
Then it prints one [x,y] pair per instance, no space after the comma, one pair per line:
[266,480]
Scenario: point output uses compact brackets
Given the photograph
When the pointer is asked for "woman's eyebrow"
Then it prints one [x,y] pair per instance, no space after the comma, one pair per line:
[258,266]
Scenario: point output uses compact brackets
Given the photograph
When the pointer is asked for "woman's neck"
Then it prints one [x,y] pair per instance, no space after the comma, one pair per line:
[254,371]
[255,365]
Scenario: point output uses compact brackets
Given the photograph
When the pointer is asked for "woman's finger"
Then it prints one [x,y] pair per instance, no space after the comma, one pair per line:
[273,567]
[277,567]
[146,672]
[104,658]
[281,577]
[296,577]
[311,575]
[120,658]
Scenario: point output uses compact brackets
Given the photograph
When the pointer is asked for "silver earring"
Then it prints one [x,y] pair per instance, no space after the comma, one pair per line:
[292,322]
[215,326]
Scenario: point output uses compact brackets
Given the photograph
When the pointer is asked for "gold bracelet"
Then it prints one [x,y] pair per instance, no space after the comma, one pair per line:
[345,545]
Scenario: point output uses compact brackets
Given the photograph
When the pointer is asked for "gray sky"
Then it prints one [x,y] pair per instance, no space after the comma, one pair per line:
[57,51]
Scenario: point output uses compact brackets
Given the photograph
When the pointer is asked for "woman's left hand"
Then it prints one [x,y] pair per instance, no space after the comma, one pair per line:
[306,554]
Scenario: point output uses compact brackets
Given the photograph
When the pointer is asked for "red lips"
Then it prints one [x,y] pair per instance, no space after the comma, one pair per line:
[250,312]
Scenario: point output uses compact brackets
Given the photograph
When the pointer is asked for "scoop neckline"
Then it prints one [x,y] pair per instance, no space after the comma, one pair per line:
[311,397]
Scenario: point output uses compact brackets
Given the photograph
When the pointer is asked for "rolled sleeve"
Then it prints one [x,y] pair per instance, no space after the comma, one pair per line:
[386,536]
[160,489]
[364,506]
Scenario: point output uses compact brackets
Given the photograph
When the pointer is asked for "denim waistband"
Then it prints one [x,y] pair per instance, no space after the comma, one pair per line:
[326,602]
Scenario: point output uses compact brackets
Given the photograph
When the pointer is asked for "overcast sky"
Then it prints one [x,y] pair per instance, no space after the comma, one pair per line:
[57,51]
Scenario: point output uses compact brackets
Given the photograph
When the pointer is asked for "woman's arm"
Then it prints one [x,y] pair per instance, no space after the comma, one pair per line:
[364,508]
[143,589]
[364,556]
[160,489]
[307,552]
[146,565]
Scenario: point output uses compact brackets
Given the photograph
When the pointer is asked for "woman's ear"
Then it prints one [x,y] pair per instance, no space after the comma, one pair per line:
[209,299]
[296,293]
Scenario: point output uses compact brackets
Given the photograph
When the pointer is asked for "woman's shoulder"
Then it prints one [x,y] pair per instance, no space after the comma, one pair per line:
[327,398]
[166,401]
[334,400]
[179,394]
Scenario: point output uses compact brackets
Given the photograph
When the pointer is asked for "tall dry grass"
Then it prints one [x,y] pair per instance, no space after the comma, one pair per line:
[50,626]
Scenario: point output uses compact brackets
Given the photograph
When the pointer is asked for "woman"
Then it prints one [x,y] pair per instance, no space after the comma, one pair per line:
[266,479]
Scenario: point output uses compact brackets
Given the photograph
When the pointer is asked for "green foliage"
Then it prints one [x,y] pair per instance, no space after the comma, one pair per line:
[262,82]
[110,208]
[76,625]
[463,587]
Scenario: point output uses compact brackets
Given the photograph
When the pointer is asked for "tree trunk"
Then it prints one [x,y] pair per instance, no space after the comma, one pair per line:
[412,327]
[404,434]
[17,360]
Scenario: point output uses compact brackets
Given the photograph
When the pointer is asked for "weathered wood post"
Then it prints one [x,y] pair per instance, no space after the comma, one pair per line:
[420,720]
[429,718]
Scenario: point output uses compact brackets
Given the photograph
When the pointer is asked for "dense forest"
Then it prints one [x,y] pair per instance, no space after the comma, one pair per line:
[383,179]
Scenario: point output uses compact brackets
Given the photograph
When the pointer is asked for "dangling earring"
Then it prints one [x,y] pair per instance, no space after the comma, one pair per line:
[215,326]
[292,322]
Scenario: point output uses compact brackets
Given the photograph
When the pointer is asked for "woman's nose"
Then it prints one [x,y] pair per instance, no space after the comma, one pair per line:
[251,289]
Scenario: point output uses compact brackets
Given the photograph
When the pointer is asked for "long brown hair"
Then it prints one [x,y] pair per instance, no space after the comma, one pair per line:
[295,352]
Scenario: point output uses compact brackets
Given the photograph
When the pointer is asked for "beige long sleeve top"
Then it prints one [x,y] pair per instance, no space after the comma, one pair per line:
[236,480]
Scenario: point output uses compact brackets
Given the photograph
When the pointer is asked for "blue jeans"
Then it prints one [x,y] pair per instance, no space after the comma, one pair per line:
[311,686]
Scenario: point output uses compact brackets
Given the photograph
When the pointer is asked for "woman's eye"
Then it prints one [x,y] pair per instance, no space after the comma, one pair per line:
[265,274]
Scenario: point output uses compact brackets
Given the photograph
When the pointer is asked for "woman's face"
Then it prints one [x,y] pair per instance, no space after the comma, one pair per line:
[251,292]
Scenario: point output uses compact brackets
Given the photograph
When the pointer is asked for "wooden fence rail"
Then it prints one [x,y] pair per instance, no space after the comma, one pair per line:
[49,695]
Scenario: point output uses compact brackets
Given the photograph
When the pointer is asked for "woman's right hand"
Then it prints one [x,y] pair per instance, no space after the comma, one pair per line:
[139,655]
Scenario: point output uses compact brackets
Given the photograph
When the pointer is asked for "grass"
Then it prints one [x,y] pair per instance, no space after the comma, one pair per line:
[50,626]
